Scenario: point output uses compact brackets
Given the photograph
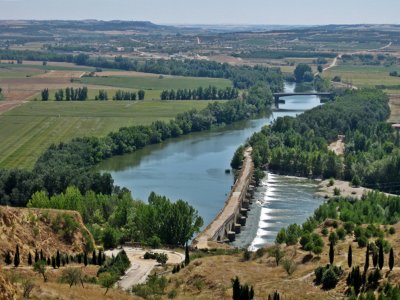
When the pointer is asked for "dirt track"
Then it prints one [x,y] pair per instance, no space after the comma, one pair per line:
[141,268]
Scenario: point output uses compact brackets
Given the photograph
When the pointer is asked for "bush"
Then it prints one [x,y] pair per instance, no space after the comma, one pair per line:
[341,233]
[328,276]
[154,242]
[324,231]
[392,230]
[333,237]
[336,191]
[289,265]
[362,241]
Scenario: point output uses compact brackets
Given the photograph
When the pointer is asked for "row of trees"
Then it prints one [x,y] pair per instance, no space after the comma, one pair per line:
[69,94]
[210,93]
[124,95]
[57,260]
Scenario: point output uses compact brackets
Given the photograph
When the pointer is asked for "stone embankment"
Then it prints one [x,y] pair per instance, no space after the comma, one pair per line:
[233,216]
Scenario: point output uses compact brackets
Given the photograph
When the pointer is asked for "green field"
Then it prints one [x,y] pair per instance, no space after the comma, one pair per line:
[365,76]
[28,130]
[156,83]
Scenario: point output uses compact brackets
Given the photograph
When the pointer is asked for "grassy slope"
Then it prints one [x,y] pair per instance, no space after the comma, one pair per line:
[209,278]
[29,129]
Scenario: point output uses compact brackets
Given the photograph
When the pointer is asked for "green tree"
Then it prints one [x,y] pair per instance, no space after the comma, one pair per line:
[107,281]
[238,158]
[94,258]
[36,256]
[40,267]
[109,238]
[300,72]
[72,276]
[320,69]
[141,94]
[85,259]
[276,252]
[45,94]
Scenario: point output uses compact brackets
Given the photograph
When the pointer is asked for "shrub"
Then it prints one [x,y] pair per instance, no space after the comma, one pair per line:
[341,233]
[336,191]
[362,241]
[324,231]
[392,230]
[289,265]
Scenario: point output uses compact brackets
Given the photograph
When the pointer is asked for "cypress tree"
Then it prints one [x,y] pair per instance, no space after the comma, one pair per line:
[85,262]
[29,258]
[366,265]
[375,259]
[58,259]
[36,256]
[350,257]
[8,259]
[94,260]
[104,257]
[391,259]
[63,261]
[16,256]
[67,259]
[236,288]
[331,253]
[48,261]
[381,257]
[187,257]
[41,255]
[100,258]
[79,258]
[53,262]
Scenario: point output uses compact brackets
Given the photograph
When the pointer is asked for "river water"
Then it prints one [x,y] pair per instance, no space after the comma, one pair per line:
[193,167]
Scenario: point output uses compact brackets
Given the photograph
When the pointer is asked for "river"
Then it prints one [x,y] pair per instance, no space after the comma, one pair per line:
[193,167]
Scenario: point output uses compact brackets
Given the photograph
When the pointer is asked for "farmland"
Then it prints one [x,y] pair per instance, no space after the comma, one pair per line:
[29,129]
[365,76]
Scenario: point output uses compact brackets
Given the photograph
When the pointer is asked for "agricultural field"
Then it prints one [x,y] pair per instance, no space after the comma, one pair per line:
[31,128]
[365,76]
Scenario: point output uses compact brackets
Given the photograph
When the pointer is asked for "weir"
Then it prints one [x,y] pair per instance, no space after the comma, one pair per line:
[233,216]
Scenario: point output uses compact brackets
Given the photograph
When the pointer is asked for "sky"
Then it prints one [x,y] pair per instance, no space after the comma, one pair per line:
[290,12]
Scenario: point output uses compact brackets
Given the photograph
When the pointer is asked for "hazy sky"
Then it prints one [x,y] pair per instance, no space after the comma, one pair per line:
[209,11]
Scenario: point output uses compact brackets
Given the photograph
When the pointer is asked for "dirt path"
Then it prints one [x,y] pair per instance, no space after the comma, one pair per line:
[141,268]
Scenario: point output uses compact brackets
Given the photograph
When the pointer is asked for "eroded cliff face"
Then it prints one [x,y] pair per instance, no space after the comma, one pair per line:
[42,229]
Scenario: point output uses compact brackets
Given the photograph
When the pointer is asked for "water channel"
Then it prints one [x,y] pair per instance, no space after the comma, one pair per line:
[193,167]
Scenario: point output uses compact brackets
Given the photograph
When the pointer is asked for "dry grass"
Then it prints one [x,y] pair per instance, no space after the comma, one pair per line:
[210,278]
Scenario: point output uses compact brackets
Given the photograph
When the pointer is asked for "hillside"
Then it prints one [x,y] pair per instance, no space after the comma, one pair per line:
[210,277]
[42,229]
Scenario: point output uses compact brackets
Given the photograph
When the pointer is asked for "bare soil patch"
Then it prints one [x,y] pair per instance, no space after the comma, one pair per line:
[337,147]
[61,74]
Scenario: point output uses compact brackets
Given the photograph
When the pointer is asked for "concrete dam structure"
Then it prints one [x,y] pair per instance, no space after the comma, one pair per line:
[233,216]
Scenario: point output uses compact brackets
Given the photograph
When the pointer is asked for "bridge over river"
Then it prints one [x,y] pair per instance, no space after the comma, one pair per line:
[277,96]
